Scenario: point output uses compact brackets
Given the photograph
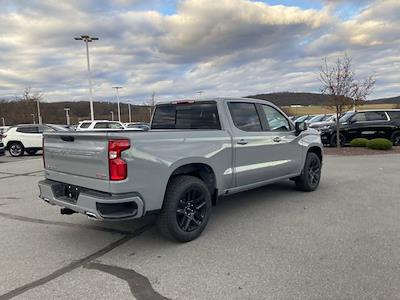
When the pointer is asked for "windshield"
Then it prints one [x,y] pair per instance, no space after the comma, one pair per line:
[346,116]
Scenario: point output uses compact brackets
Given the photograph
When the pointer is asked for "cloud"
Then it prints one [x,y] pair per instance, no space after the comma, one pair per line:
[226,47]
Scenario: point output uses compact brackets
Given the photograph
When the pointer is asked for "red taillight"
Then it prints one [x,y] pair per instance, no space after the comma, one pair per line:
[117,166]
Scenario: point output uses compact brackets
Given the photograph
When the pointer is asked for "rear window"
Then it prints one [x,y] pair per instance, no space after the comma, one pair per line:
[28,129]
[202,115]
[394,115]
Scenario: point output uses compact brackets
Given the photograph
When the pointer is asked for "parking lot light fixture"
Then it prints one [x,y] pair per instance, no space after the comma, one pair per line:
[88,39]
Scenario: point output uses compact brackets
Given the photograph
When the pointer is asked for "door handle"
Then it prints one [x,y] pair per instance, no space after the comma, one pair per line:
[277,139]
[242,142]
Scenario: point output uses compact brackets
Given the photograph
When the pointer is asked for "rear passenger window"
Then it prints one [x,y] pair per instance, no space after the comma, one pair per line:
[28,129]
[115,126]
[201,115]
[376,116]
[245,116]
[394,115]
[101,125]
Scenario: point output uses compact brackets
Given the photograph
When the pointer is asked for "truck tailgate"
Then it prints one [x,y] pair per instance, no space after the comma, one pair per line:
[84,155]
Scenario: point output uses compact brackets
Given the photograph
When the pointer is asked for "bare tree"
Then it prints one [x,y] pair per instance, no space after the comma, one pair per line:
[35,98]
[338,80]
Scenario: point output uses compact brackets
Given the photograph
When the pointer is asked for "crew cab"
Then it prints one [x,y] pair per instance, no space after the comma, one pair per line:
[367,124]
[195,152]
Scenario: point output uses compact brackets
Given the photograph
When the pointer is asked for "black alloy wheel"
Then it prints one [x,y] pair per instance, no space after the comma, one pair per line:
[310,177]
[191,209]
[186,208]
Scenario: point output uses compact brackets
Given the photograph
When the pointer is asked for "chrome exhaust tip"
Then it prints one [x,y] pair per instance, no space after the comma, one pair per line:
[91,216]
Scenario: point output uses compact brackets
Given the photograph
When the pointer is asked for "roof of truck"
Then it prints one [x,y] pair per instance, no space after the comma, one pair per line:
[211,99]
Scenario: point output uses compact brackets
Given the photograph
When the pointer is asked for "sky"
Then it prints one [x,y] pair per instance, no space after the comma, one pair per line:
[176,48]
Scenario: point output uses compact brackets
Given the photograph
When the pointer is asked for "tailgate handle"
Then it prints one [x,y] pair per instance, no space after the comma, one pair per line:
[67,138]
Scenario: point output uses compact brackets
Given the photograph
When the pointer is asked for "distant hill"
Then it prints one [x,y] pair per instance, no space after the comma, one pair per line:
[392,100]
[288,98]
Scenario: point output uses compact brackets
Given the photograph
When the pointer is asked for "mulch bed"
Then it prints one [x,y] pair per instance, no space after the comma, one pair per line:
[358,151]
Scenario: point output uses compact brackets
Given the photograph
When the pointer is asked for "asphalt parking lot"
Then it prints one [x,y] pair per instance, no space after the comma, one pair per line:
[339,242]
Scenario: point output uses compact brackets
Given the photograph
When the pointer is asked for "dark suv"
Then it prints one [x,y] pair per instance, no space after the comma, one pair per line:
[367,124]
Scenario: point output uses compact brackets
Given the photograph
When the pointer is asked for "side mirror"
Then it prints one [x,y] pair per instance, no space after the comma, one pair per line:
[300,126]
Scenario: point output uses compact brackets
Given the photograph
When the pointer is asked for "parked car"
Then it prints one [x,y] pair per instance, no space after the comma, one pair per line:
[196,152]
[27,138]
[138,125]
[365,124]
[99,125]
[327,122]
[303,118]
[318,118]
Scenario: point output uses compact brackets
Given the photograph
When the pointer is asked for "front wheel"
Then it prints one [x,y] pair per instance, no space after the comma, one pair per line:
[309,178]
[186,209]
[16,149]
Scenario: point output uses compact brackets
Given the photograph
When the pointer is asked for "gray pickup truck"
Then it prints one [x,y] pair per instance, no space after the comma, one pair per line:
[195,152]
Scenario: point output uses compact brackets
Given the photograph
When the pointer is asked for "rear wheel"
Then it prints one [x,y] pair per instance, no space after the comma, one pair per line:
[333,141]
[309,178]
[31,152]
[16,149]
[186,209]
[395,138]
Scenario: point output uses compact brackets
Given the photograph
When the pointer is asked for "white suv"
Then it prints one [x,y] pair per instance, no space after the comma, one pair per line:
[100,125]
[27,138]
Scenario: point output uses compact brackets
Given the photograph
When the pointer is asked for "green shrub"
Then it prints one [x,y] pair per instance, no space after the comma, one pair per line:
[380,144]
[360,142]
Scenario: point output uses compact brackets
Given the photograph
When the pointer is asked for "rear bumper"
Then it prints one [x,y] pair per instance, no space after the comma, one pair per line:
[96,205]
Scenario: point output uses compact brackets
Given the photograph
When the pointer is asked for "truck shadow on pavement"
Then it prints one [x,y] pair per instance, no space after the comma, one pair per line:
[139,285]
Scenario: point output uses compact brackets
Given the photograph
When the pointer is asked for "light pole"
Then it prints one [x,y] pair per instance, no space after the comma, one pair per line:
[87,39]
[33,118]
[67,115]
[4,122]
[129,112]
[38,111]
[119,110]
[112,115]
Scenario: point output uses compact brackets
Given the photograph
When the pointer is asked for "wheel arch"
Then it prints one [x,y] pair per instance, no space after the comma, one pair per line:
[202,171]
[317,150]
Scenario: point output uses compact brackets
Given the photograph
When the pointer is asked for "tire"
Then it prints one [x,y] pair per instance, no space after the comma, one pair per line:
[16,149]
[186,209]
[395,138]
[309,178]
[333,140]
[31,152]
